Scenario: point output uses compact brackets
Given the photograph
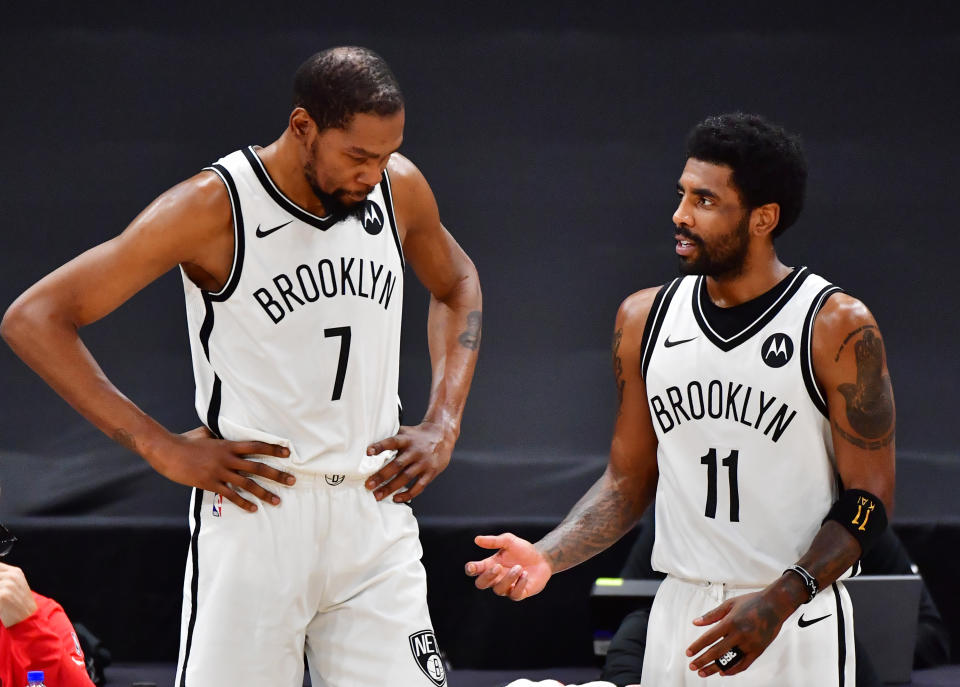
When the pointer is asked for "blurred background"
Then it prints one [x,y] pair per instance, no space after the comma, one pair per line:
[552,135]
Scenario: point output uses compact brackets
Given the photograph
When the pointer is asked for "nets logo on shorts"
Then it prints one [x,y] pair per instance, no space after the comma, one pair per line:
[427,654]
[777,350]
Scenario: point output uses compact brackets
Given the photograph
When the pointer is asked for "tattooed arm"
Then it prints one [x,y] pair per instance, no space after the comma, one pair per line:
[850,368]
[613,504]
[453,333]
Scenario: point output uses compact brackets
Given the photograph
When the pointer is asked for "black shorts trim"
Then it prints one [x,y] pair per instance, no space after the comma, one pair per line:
[194,583]
[841,637]
[651,330]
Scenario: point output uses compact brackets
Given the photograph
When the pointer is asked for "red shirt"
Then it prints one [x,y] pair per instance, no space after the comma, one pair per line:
[45,641]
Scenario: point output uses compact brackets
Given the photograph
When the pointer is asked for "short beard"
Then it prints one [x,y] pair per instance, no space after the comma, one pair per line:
[728,257]
[332,204]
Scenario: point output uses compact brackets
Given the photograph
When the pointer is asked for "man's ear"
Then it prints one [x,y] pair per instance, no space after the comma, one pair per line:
[302,125]
[764,219]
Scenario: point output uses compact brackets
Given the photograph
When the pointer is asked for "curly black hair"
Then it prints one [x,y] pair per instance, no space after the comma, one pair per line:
[335,84]
[767,161]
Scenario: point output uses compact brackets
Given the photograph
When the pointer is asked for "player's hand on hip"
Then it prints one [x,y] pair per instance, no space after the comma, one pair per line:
[517,570]
[197,459]
[744,625]
[16,600]
[423,452]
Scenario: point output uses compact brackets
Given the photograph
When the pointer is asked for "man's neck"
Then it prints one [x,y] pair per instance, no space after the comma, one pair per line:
[282,160]
[756,278]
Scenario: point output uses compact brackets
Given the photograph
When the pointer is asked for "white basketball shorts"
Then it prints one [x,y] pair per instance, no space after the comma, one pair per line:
[814,646]
[330,573]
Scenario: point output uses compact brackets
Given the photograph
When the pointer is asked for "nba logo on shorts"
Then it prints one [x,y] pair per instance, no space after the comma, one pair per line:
[425,650]
[217,505]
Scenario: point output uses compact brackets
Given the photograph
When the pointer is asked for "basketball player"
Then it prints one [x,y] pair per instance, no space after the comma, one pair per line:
[755,403]
[292,258]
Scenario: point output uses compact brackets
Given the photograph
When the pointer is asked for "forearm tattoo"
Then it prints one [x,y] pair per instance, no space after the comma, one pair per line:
[125,439]
[470,337]
[601,517]
[618,368]
[831,552]
[869,402]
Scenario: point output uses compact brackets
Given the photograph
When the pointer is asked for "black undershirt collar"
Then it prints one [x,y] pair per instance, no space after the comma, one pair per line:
[728,322]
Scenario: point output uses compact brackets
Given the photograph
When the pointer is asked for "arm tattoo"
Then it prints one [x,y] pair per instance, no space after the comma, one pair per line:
[618,368]
[125,439]
[601,517]
[850,336]
[869,401]
[872,445]
[831,552]
[470,337]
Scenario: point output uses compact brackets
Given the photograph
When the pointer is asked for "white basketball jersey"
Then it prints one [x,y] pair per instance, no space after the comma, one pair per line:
[302,344]
[747,472]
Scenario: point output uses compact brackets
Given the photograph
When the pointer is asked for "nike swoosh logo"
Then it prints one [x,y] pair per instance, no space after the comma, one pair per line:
[808,623]
[668,343]
[266,232]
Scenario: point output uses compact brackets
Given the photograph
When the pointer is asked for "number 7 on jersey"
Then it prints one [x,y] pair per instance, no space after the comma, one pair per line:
[344,334]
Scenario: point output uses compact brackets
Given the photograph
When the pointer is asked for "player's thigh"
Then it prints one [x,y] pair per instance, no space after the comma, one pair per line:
[384,630]
[243,620]
[378,622]
[676,604]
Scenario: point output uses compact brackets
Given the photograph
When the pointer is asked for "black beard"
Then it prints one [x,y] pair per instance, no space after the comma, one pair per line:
[728,257]
[331,202]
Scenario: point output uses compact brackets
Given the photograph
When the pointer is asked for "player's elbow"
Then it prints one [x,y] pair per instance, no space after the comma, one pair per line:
[21,323]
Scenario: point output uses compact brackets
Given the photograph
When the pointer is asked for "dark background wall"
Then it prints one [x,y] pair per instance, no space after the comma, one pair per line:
[552,136]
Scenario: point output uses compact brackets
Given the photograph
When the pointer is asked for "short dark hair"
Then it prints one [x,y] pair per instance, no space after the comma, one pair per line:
[335,84]
[767,161]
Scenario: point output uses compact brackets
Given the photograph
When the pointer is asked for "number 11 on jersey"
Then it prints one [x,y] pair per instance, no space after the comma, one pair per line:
[730,462]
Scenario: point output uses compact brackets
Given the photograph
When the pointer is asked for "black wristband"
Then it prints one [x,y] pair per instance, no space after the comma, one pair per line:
[809,581]
[862,514]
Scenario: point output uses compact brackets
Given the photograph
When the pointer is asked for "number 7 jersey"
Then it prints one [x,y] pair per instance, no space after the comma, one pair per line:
[302,345]
[745,455]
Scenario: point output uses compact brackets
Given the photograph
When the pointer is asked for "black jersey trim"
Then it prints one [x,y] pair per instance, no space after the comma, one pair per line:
[806,348]
[841,637]
[238,243]
[194,583]
[388,202]
[651,330]
[207,325]
[213,407]
[213,410]
[728,344]
[322,223]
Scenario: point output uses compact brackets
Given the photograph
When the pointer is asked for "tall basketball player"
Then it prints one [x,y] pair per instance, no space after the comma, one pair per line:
[292,258]
[755,404]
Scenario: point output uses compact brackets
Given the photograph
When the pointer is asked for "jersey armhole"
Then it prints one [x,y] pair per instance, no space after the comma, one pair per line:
[238,247]
[806,348]
[388,203]
[651,330]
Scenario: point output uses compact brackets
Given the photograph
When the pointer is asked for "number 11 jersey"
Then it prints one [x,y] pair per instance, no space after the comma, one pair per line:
[301,347]
[745,455]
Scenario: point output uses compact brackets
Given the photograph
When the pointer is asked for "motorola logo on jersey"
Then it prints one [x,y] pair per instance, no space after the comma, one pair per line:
[372,218]
[777,350]
[423,644]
